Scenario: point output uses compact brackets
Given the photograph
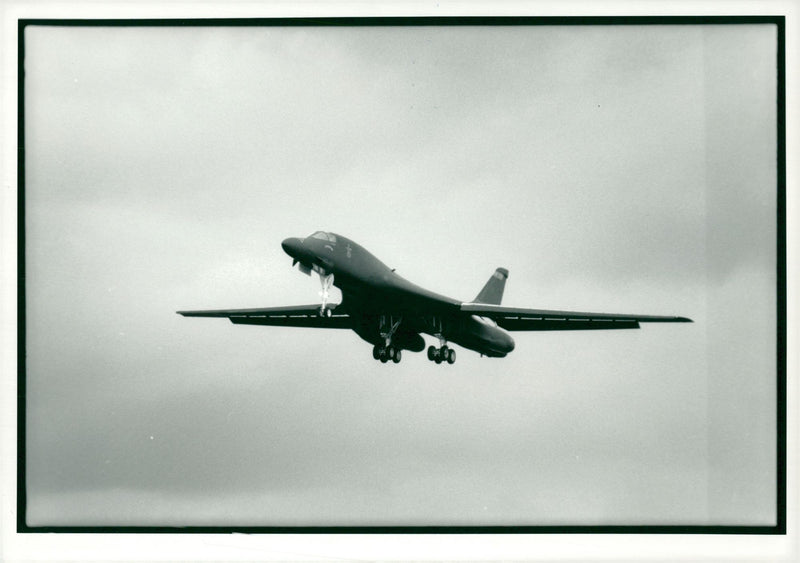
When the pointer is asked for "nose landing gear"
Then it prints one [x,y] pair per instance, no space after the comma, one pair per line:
[327,281]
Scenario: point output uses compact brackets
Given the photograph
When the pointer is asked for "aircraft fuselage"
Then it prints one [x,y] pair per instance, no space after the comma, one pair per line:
[381,297]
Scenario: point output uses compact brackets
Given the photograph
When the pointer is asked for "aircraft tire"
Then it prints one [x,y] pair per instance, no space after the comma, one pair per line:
[431,353]
[451,356]
[384,358]
[376,352]
[437,359]
[397,356]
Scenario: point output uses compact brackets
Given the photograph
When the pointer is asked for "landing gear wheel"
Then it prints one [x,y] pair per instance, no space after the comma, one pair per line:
[376,352]
[431,353]
[384,357]
[397,356]
[451,356]
[437,358]
[328,313]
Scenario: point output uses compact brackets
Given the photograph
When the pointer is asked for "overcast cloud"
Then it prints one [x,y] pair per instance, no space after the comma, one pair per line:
[624,169]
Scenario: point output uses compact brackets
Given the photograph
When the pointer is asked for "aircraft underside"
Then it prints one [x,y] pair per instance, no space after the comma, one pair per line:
[390,334]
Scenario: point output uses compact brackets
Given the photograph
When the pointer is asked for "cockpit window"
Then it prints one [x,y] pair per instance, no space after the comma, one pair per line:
[324,236]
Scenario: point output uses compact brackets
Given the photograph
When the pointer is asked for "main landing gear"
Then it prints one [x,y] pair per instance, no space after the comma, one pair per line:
[442,354]
[386,353]
[387,326]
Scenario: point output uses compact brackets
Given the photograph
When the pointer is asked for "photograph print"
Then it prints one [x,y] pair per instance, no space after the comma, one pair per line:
[423,275]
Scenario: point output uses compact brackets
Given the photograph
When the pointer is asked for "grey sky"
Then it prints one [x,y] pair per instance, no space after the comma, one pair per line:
[624,169]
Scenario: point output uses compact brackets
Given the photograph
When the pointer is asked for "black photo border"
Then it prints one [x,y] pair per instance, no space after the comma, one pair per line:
[778,20]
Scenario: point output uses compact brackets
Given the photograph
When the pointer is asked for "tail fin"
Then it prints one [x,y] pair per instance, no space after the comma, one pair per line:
[492,292]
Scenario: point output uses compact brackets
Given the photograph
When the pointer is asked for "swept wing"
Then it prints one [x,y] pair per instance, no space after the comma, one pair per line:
[516,319]
[306,316]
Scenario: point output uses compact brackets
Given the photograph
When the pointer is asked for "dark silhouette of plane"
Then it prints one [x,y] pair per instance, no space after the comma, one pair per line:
[392,313]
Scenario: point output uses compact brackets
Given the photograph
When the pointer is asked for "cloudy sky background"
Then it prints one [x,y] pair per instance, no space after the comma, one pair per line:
[621,169]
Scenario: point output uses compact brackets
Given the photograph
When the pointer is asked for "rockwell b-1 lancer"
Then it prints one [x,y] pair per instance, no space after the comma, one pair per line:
[392,313]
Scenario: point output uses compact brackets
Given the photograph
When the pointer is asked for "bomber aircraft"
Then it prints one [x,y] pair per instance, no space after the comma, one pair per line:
[392,313]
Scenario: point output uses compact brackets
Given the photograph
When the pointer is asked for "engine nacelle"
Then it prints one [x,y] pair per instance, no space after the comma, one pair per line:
[409,341]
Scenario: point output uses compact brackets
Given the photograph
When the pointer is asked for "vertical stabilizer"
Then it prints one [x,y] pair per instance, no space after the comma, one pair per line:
[492,292]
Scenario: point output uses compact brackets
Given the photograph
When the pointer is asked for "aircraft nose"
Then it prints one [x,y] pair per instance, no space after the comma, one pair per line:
[292,246]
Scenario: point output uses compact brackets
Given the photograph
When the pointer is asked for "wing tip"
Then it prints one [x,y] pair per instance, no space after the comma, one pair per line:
[190,313]
[665,320]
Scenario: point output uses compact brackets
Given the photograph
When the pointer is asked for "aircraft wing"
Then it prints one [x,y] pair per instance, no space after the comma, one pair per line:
[513,319]
[306,316]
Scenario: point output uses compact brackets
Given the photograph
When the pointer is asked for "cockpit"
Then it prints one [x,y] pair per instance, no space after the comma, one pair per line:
[321,235]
